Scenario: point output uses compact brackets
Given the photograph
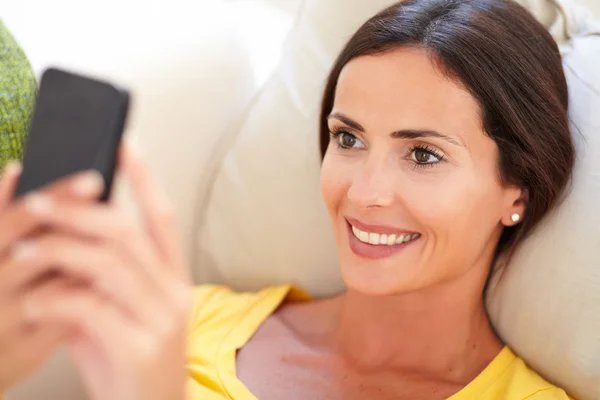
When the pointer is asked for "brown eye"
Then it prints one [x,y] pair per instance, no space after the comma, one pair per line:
[422,157]
[425,156]
[348,141]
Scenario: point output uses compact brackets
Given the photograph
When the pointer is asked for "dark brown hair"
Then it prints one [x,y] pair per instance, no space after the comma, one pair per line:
[509,63]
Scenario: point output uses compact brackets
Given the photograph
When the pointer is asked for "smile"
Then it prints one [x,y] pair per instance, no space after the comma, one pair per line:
[377,242]
[383,239]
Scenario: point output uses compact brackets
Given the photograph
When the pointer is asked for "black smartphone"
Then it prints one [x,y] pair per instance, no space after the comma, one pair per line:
[77,125]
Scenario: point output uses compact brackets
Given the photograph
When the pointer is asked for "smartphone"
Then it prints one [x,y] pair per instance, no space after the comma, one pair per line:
[77,125]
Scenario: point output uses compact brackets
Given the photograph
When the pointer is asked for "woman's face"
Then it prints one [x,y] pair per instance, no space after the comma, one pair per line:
[410,179]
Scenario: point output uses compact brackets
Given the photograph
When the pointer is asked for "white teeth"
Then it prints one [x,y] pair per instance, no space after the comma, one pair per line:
[377,239]
[363,236]
[406,238]
[391,240]
[374,238]
[383,239]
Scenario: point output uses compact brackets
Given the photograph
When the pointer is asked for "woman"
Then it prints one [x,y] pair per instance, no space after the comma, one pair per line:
[445,140]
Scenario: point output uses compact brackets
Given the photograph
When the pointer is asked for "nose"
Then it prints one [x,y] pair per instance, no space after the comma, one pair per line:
[372,186]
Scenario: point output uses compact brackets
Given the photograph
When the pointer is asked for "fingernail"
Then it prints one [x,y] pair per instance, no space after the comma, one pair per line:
[90,183]
[38,204]
[133,146]
[23,250]
[13,167]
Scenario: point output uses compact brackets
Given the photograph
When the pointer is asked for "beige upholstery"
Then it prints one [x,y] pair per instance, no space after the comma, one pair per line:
[192,87]
[190,80]
[280,231]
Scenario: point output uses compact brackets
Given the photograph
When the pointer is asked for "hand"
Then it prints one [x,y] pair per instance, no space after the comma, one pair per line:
[24,346]
[129,323]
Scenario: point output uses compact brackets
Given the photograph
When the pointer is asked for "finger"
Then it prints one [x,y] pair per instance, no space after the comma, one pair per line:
[79,185]
[155,207]
[90,315]
[8,183]
[28,212]
[99,266]
[14,304]
[105,223]
[101,222]
[102,334]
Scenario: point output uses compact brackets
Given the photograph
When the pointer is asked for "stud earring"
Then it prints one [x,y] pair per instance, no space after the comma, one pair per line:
[515,217]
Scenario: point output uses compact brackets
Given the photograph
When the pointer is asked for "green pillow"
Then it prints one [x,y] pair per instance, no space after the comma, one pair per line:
[18,89]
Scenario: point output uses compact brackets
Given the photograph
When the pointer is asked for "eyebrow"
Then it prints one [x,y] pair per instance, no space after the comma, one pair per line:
[400,134]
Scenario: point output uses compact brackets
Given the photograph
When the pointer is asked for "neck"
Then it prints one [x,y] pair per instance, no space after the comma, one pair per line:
[434,330]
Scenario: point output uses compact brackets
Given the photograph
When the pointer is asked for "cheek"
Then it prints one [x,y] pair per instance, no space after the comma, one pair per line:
[334,183]
[460,203]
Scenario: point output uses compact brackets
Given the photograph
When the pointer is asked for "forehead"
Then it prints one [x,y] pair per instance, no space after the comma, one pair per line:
[404,87]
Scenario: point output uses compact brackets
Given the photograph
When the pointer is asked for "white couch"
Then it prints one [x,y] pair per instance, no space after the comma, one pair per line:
[193,68]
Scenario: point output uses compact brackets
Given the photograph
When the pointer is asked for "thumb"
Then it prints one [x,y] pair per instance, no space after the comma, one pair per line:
[8,182]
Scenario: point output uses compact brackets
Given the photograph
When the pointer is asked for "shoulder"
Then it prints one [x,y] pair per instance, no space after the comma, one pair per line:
[216,308]
[531,385]
[210,301]
[551,393]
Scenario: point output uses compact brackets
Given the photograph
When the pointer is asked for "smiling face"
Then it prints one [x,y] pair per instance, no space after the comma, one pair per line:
[410,178]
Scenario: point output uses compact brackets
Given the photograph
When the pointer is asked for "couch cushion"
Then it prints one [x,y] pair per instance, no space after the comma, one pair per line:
[546,302]
[264,223]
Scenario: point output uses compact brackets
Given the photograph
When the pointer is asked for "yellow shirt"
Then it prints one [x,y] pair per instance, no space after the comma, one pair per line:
[223,322]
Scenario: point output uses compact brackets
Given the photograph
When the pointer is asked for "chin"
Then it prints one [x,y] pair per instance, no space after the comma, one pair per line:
[378,278]
[380,270]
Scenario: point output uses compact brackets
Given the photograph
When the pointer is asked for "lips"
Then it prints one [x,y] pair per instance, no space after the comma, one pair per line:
[378,241]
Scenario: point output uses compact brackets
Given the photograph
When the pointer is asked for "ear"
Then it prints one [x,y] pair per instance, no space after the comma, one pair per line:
[517,200]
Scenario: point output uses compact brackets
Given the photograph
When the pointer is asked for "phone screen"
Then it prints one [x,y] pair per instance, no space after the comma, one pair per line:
[77,125]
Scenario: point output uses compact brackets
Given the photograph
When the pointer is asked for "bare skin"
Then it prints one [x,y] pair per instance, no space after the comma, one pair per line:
[412,325]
